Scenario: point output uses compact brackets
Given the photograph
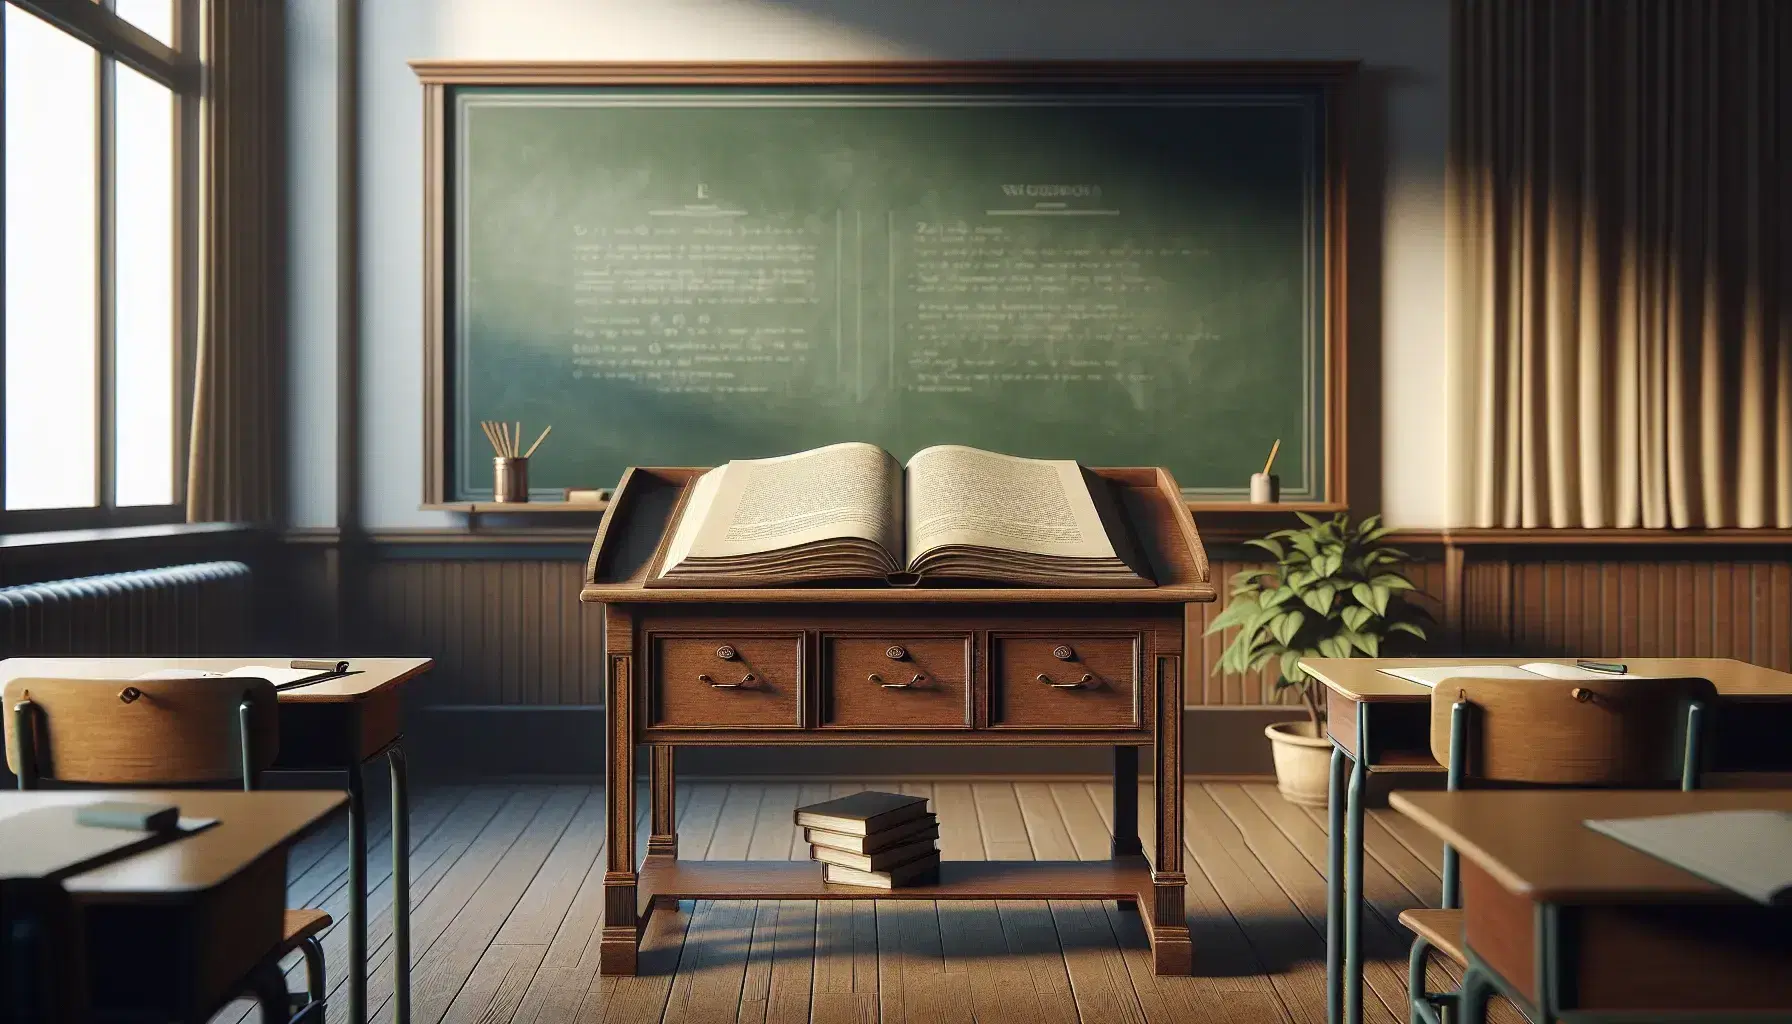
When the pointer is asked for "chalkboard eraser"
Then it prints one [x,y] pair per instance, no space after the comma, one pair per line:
[134,816]
[586,494]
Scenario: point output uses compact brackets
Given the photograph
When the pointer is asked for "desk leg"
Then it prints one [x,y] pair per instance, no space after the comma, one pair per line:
[357,897]
[1126,803]
[622,931]
[1353,876]
[1334,892]
[401,887]
[1171,950]
[663,840]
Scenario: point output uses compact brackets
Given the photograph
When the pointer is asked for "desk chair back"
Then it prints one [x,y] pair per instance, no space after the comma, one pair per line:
[1617,732]
[161,732]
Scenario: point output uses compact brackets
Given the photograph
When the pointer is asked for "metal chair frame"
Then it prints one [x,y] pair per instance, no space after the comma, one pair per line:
[1470,1001]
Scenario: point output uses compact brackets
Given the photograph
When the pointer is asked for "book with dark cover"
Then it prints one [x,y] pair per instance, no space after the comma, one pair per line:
[923,870]
[895,835]
[862,814]
[883,860]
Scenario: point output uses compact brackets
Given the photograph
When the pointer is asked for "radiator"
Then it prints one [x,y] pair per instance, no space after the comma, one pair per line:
[198,609]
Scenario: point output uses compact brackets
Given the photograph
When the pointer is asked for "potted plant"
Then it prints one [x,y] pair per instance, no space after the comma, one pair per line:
[1335,591]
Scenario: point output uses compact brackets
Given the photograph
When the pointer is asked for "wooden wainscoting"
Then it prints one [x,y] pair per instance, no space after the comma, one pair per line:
[499,612]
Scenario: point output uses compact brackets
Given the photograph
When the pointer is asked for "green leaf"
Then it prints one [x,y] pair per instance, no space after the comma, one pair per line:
[1334,647]
[1273,547]
[1392,581]
[1355,615]
[1309,520]
[1299,579]
[1319,598]
[1284,626]
[1277,597]
[1238,612]
[1407,627]
[1305,544]
[1368,525]
[1375,600]
[1291,673]
[1368,643]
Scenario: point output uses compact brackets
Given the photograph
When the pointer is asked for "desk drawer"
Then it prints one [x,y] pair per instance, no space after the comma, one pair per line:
[1065,681]
[724,681]
[896,681]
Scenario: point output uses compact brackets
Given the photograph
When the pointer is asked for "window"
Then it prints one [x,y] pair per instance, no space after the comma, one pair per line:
[97,317]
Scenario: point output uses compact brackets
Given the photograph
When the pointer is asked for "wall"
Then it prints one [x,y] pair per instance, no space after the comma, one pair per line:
[1398,135]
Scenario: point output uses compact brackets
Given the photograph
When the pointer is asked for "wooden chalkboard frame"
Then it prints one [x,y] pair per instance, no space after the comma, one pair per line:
[440,78]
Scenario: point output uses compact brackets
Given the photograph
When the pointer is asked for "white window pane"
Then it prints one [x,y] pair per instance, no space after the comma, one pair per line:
[155,17]
[50,265]
[143,365]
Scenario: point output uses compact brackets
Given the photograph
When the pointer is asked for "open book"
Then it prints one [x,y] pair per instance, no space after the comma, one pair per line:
[1746,852]
[851,512]
[1431,676]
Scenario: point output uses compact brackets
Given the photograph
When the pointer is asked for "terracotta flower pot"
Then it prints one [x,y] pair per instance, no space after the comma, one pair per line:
[1303,762]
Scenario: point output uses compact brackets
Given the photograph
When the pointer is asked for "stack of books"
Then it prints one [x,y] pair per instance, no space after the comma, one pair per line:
[881,840]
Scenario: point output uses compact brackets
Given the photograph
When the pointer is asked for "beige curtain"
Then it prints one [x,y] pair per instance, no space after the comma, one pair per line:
[235,458]
[1621,272]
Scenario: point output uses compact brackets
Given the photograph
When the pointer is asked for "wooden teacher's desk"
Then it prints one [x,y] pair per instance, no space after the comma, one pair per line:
[336,725]
[1382,723]
[170,933]
[1570,924]
[807,665]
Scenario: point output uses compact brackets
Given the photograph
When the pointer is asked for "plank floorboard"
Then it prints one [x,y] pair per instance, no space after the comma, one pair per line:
[506,897]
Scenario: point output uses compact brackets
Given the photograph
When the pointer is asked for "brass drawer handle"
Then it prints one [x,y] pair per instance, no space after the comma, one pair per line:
[916,680]
[1079,684]
[744,680]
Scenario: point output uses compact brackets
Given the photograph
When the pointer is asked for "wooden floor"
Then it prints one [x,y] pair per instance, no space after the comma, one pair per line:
[506,898]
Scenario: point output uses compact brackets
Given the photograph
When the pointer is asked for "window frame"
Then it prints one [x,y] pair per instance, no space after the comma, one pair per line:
[116,40]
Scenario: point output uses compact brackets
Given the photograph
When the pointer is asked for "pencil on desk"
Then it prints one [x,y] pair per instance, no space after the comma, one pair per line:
[1273,449]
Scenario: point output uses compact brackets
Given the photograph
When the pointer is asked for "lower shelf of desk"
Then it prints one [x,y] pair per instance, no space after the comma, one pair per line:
[1124,878]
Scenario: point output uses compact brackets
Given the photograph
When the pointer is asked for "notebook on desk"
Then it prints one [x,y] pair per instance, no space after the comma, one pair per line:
[48,842]
[1746,852]
[1432,675]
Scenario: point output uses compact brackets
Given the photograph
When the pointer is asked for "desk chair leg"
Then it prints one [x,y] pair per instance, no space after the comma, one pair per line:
[316,983]
[401,887]
[1126,803]
[1353,875]
[1477,989]
[1334,891]
[662,840]
[357,897]
[27,739]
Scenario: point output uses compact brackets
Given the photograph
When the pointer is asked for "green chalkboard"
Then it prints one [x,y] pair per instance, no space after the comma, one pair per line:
[1124,274]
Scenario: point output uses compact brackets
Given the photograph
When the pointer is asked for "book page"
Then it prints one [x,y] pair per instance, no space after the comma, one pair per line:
[1749,852]
[758,505]
[1432,676]
[959,495]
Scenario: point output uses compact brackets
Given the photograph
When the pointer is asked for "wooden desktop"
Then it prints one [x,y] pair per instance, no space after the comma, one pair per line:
[894,665]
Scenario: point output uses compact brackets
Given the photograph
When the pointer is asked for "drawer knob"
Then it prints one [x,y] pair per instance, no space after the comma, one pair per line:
[744,680]
[727,653]
[1063,653]
[1079,684]
[894,652]
[916,680]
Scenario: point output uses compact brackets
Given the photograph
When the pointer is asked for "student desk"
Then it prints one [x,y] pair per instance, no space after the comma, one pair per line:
[809,665]
[1573,925]
[171,932]
[1382,723]
[337,725]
